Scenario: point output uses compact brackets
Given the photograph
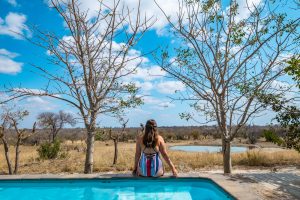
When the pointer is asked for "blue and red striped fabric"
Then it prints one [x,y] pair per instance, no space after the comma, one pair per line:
[150,164]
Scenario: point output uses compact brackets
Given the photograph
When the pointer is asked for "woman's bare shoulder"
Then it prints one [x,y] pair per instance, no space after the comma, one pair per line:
[140,137]
[160,139]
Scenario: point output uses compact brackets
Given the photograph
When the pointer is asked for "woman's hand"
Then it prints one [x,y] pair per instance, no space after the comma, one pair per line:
[134,172]
[174,171]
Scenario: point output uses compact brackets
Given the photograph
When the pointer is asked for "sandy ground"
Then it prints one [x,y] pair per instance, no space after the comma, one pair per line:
[278,184]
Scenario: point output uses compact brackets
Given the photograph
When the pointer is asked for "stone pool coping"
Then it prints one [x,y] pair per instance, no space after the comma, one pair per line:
[237,189]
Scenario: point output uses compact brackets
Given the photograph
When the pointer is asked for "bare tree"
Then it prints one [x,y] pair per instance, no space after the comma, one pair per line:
[228,57]
[6,150]
[55,122]
[11,119]
[90,64]
[115,138]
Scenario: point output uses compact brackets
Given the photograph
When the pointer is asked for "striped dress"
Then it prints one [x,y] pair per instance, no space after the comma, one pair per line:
[150,164]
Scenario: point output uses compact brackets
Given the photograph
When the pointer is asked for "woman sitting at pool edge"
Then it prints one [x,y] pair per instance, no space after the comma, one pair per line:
[147,159]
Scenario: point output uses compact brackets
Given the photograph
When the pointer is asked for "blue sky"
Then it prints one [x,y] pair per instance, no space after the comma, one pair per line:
[17,55]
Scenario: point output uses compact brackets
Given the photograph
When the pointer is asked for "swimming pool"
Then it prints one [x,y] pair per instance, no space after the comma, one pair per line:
[112,189]
[209,149]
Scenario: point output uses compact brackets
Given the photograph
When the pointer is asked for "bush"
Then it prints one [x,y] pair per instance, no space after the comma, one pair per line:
[99,136]
[179,137]
[252,139]
[168,136]
[195,135]
[272,137]
[49,150]
[217,136]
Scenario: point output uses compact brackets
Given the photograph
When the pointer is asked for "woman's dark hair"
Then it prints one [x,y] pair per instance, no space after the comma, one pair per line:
[151,136]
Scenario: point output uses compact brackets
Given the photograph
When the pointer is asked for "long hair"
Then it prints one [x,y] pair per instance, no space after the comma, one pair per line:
[151,136]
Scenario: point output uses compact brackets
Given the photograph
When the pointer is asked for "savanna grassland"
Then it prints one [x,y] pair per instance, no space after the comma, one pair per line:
[71,159]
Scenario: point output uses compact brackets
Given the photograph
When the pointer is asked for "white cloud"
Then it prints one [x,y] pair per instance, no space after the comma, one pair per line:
[145,86]
[132,61]
[43,104]
[3,96]
[148,74]
[151,100]
[245,8]
[7,64]
[12,2]
[282,87]
[157,103]
[4,52]
[37,100]
[279,85]
[170,87]
[281,62]
[14,25]
[164,105]
[147,9]
[137,112]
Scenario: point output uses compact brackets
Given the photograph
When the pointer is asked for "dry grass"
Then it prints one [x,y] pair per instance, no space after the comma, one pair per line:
[74,162]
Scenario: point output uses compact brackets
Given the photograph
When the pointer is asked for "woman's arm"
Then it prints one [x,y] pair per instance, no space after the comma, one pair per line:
[163,151]
[137,154]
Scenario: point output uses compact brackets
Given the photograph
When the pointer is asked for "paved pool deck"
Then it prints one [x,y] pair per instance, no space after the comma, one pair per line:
[242,184]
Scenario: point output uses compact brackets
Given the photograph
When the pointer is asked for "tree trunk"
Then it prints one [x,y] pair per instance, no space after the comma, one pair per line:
[53,137]
[50,137]
[226,157]
[17,156]
[6,152]
[223,142]
[54,134]
[89,159]
[116,151]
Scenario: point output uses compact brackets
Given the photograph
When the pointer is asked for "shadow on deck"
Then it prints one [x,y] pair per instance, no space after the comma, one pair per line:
[281,185]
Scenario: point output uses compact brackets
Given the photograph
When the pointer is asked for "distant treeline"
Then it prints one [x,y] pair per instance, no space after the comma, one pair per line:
[169,133]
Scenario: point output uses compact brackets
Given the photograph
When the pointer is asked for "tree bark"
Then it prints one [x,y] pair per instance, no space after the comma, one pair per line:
[50,137]
[6,151]
[226,156]
[89,158]
[223,141]
[53,137]
[17,158]
[116,151]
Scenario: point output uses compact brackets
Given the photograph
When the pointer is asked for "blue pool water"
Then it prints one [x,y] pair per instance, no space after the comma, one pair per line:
[209,149]
[112,189]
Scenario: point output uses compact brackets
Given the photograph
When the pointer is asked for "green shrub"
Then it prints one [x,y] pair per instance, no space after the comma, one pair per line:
[281,142]
[99,136]
[49,150]
[195,135]
[271,137]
